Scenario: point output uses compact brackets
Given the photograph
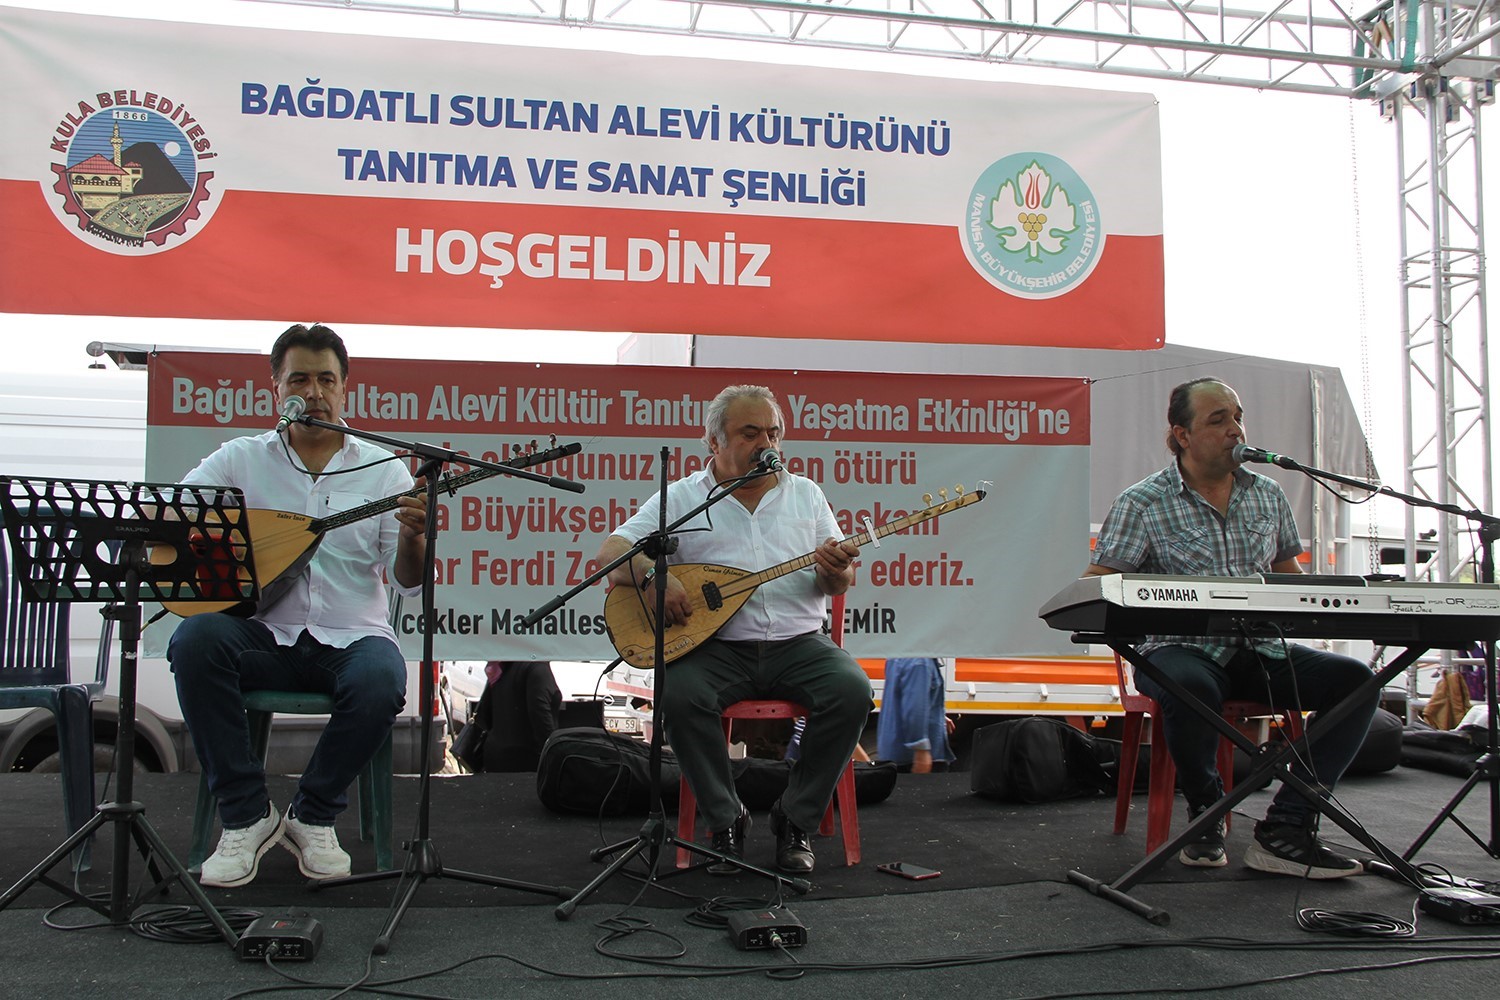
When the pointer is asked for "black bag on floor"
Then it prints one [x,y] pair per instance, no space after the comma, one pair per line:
[760,782]
[597,773]
[1035,759]
[1450,751]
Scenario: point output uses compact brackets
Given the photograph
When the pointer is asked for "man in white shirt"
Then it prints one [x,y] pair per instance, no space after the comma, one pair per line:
[326,633]
[774,646]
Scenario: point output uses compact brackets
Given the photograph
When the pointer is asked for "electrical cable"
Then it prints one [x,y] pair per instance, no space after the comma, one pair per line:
[1346,923]
[341,472]
[170,924]
[714,913]
[780,946]
[1477,947]
[1356,923]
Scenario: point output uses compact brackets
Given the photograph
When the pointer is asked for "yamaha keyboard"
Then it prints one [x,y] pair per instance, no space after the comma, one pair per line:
[1434,615]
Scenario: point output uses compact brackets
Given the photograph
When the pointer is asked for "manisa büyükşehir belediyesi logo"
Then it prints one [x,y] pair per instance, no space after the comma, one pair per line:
[128,172]
[1031,226]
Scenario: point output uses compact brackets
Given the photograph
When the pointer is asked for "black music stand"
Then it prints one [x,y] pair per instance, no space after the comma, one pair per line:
[653,835]
[91,541]
[422,860]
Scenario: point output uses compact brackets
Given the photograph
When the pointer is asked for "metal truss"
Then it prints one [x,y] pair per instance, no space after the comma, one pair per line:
[1429,65]
[1310,46]
[1444,328]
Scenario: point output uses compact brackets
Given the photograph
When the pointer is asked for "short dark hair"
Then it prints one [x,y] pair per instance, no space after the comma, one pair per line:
[315,338]
[1180,408]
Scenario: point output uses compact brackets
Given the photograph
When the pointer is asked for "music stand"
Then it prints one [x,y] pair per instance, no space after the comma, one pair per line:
[653,834]
[91,541]
[422,860]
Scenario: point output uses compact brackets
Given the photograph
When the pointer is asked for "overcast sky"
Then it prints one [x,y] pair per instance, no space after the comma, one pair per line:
[1280,216]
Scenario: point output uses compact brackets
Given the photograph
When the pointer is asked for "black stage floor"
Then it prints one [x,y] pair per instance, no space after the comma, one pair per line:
[1001,919]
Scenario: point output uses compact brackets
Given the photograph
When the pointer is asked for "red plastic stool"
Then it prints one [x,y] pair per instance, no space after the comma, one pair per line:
[843,796]
[1162,787]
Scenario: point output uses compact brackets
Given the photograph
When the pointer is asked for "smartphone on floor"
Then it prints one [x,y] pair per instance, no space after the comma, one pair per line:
[905,870]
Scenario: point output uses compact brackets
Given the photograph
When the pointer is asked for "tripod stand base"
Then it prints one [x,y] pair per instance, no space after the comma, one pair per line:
[1486,771]
[653,838]
[130,824]
[423,863]
[1104,890]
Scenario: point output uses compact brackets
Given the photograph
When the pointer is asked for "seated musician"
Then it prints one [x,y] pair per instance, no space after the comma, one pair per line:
[773,647]
[327,634]
[1204,515]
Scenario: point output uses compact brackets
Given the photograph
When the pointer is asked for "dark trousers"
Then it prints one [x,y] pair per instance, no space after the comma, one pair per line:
[809,670]
[1310,681]
[217,657]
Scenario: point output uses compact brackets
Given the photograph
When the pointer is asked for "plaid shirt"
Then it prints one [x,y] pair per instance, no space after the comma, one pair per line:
[1159,525]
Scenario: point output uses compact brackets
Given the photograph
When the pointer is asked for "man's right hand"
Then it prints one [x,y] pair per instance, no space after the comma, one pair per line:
[678,608]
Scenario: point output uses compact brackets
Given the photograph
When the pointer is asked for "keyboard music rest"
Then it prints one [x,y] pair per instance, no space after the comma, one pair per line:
[1439,616]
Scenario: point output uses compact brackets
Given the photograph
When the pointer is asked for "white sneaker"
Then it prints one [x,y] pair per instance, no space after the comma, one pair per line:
[316,847]
[237,858]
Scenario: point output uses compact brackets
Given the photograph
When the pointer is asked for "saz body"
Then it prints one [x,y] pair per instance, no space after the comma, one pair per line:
[716,593]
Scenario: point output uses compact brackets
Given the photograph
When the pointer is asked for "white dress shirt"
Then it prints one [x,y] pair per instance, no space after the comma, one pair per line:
[341,596]
[791,520]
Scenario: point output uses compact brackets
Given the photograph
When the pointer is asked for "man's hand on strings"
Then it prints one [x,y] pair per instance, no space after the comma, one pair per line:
[411,541]
[834,563]
[411,513]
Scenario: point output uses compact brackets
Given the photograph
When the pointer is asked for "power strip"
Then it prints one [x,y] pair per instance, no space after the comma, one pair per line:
[757,930]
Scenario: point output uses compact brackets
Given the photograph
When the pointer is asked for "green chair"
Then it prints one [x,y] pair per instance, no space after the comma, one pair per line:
[35,672]
[374,784]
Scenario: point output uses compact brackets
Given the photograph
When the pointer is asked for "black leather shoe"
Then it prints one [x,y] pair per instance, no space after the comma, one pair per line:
[732,843]
[794,851]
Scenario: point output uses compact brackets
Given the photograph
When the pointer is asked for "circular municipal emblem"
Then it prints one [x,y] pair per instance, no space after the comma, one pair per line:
[1143,593]
[129,172]
[1031,226]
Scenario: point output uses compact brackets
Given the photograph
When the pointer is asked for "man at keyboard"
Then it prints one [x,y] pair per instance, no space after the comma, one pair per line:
[1205,515]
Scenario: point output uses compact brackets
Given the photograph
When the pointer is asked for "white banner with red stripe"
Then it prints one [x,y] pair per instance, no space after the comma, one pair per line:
[160,169]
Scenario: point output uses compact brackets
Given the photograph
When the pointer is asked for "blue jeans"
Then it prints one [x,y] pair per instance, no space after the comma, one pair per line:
[1311,680]
[217,657]
[912,712]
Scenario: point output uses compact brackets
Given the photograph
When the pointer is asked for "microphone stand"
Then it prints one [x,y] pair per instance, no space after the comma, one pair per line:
[1487,767]
[653,835]
[422,861]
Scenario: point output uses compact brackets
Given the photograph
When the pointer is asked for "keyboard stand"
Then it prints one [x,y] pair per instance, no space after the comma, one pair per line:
[1266,761]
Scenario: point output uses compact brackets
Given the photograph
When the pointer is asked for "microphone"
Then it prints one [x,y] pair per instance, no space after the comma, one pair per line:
[1244,453]
[291,412]
[769,460]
